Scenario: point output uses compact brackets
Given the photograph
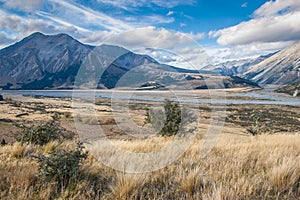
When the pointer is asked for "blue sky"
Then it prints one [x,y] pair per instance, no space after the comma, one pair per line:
[186,29]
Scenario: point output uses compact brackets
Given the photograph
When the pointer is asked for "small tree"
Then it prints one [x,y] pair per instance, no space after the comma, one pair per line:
[256,128]
[170,121]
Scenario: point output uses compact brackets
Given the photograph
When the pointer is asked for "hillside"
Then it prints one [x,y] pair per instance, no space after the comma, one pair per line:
[293,89]
[60,62]
[281,68]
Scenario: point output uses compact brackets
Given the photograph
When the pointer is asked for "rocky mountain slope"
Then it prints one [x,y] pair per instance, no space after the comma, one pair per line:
[281,68]
[38,55]
[60,62]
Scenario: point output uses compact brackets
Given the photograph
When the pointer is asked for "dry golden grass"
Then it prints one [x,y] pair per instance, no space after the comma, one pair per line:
[126,186]
[261,167]
[108,121]
[50,147]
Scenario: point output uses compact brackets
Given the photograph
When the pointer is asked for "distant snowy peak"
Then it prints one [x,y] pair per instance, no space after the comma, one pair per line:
[236,67]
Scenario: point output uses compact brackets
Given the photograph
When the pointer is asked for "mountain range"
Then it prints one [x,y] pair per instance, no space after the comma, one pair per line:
[60,62]
[237,67]
[278,68]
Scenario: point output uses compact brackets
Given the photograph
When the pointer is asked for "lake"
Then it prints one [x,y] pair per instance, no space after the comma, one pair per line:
[254,97]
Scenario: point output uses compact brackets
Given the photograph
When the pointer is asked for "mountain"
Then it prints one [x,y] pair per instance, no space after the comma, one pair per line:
[52,61]
[281,68]
[38,55]
[292,89]
[236,67]
[60,62]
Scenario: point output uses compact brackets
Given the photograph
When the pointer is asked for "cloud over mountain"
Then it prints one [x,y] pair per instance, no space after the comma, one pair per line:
[273,22]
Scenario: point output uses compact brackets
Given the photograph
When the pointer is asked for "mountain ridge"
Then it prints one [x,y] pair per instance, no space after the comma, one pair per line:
[281,68]
[53,61]
[237,67]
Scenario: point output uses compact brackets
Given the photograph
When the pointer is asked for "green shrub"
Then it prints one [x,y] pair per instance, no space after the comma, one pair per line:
[175,118]
[62,166]
[42,133]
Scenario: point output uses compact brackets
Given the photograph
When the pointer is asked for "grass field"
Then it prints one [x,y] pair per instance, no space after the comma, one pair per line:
[239,166]
[260,167]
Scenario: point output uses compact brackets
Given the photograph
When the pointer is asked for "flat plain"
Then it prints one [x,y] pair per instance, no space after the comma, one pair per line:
[238,166]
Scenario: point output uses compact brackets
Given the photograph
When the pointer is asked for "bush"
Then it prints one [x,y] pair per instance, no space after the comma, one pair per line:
[3,142]
[1,98]
[42,133]
[62,166]
[256,128]
[174,118]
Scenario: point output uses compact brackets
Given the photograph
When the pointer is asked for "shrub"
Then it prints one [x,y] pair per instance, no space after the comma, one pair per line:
[256,128]
[1,98]
[41,134]
[174,118]
[3,142]
[62,166]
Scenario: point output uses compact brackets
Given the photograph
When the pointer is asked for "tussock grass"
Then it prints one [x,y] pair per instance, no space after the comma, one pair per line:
[18,150]
[50,147]
[260,167]
[108,121]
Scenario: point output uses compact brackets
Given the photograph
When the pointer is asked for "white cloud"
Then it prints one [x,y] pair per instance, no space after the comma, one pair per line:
[223,54]
[273,26]
[83,23]
[245,5]
[277,7]
[272,22]
[97,37]
[155,19]
[153,41]
[171,4]
[64,16]
[29,5]
[154,37]
[132,4]
[170,13]
[9,22]
[82,16]
[192,57]
[85,16]
[279,28]
[15,28]
[5,40]
[95,27]
[182,25]
[61,21]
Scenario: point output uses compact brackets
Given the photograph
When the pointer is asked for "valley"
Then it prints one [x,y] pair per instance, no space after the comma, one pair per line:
[234,150]
[126,126]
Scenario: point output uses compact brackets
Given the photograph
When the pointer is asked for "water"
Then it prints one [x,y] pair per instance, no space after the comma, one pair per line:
[258,97]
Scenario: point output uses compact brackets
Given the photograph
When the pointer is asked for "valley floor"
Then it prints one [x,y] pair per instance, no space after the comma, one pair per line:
[238,165]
